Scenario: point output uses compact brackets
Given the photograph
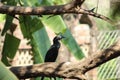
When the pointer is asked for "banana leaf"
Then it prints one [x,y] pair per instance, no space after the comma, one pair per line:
[42,42]
[10,48]
[5,74]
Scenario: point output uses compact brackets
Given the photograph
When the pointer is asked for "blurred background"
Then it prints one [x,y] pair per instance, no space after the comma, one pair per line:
[25,40]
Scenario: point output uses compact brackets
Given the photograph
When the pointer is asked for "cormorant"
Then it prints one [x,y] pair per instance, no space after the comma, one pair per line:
[52,53]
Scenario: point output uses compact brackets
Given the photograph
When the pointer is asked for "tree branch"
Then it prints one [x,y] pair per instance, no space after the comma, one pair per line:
[68,69]
[72,7]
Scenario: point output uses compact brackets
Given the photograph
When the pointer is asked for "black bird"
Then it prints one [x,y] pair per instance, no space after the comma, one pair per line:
[52,53]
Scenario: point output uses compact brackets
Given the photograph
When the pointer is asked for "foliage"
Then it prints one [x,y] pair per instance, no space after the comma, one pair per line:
[10,47]
[5,74]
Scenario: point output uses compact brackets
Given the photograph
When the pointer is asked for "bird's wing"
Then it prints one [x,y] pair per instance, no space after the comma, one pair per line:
[51,54]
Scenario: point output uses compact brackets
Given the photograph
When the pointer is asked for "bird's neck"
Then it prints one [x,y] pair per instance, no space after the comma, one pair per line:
[57,43]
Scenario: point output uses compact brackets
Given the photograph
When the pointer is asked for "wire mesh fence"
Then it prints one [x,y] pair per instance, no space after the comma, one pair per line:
[109,70]
[23,57]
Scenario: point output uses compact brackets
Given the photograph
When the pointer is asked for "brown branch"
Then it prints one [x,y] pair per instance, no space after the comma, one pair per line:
[88,12]
[67,69]
[44,10]
[72,7]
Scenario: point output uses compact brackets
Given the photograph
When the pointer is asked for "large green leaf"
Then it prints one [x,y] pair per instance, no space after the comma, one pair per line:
[71,44]
[5,74]
[10,47]
[42,44]
[29,25]
[56,23]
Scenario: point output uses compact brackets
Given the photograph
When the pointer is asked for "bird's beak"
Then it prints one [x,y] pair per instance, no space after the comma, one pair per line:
[62,37]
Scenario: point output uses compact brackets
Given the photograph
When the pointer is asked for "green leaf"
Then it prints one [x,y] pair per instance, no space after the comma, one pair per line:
[7,25]
[29,2]
[56,23]
[24,26]
[10,2]
[37,24]
[5,74]
[58,2]
[10,47]
[46,2]
[71,44]
[41,40]
[2,17]
[5,60]
[29,25]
